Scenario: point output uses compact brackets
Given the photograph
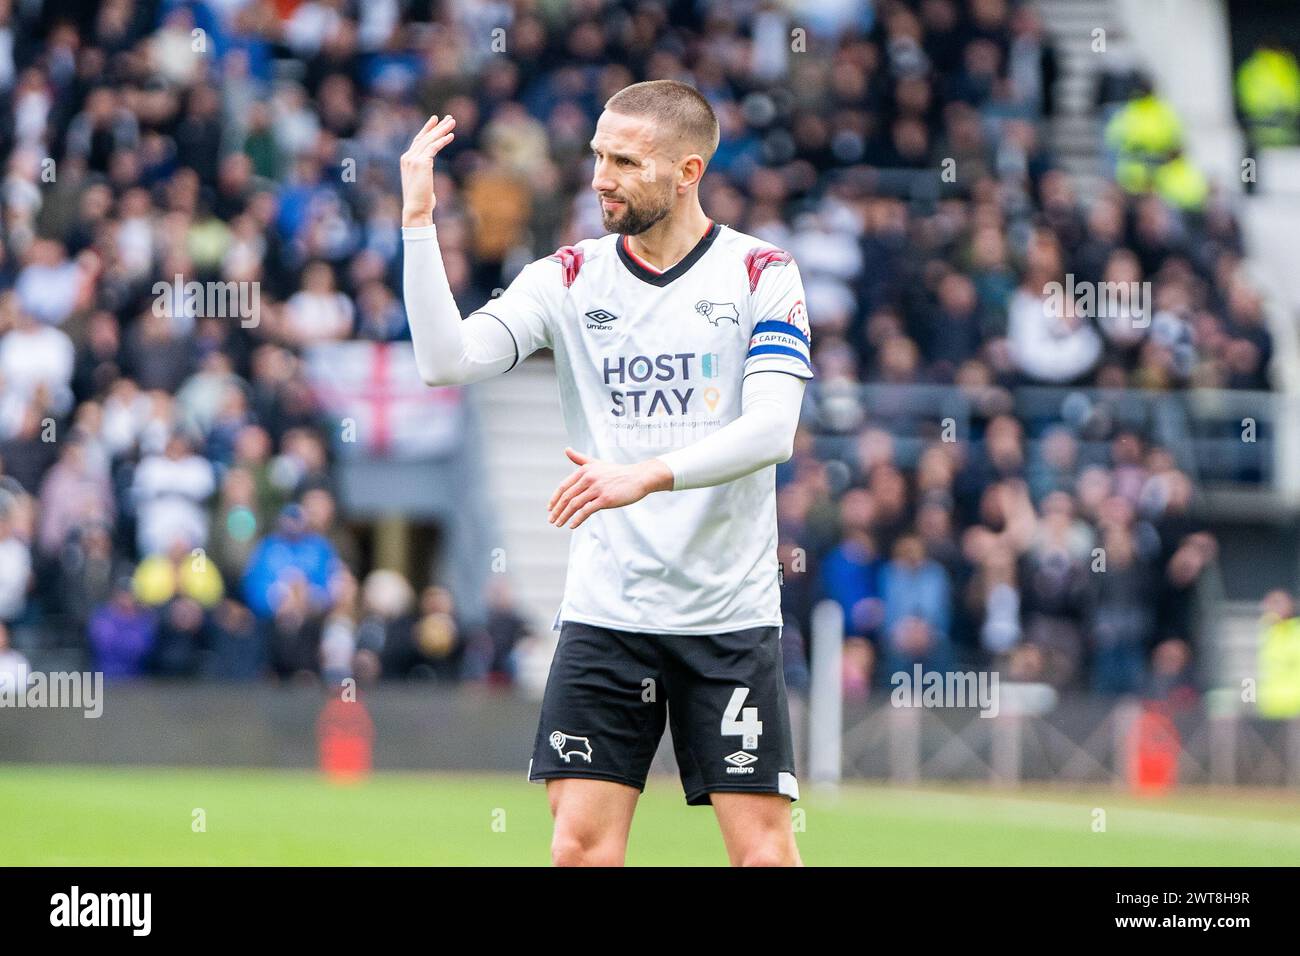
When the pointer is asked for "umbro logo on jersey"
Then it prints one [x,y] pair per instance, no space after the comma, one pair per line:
[600,319]
[568,746]
[740,762]
[718,312]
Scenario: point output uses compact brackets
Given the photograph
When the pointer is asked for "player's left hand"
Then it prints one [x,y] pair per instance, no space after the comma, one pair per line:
[601,484]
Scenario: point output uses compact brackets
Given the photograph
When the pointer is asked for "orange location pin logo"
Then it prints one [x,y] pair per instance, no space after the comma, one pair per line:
[711,396]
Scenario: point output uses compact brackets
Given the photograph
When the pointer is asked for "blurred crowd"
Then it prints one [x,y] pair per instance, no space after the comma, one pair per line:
[165,475]
[1039,564]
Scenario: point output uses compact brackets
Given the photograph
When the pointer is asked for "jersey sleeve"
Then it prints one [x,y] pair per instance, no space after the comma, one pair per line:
[762,435]
[782,337]
[526,306]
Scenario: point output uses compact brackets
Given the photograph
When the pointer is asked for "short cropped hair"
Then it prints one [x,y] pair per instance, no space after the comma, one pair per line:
[677,110]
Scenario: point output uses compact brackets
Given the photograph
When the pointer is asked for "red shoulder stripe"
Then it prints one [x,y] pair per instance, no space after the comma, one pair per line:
[759,259]
[571,258]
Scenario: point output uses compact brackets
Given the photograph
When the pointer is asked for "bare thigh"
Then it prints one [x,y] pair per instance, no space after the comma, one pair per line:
[756,828]
[592,821]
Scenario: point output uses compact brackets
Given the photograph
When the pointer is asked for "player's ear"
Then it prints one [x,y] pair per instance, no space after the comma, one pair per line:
[690,171]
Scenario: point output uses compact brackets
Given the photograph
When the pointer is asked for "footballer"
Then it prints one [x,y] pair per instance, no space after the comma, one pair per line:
[682,351]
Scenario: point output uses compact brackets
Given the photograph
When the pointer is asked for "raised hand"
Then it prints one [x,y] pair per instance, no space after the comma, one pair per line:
[417,170]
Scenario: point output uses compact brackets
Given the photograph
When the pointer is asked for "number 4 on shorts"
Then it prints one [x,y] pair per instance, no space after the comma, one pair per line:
[749,727]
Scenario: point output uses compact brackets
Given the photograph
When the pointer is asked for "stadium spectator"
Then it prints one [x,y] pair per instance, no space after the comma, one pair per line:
[1279,658]
[1120,615]
[917,610]
[490,654]
[387,618]
[994,600]
[319,509]
[50,285]
[293,633]
[851,572]
[318,312]
[292,560]
[122,634]
[14,667]
[1173,678]
[1146,133]
[238,651]
[338,642]
[438,638]
[76,492]
[15,557]
[88,566]
[36,366]
[237,521]
[161,578]
[1268,96]
[169,491]
[181,637]
[1050,339]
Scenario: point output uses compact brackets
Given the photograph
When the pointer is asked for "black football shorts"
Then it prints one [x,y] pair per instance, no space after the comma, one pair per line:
[610,692]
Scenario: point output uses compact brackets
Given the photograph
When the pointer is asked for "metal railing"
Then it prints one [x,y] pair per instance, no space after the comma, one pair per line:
[1223,439]
[1029,732]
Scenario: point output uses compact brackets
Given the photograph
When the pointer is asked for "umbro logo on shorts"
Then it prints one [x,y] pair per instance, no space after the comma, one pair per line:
[740,762]
[567,746]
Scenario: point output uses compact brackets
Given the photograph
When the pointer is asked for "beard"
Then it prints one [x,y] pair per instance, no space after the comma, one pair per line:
[634,219]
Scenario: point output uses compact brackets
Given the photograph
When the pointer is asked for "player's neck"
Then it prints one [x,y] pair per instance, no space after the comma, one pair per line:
[670,240]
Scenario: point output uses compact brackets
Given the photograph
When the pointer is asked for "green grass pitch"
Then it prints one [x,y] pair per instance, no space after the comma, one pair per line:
[93,816]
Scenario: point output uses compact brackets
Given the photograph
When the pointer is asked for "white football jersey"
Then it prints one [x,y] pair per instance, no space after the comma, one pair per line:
[648,362]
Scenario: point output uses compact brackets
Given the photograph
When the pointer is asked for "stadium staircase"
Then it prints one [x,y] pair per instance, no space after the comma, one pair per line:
[1076,129]
[523,446]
